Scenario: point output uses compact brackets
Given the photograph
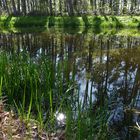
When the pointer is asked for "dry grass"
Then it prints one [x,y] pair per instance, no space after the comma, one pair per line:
[14,128]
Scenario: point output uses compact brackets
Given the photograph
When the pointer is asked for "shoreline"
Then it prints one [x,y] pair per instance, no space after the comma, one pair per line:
[133,32]
[83,21]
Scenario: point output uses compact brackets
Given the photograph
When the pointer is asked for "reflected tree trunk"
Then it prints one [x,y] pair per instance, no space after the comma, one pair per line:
[107,68]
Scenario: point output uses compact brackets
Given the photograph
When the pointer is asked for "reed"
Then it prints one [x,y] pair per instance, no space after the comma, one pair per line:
[38,88]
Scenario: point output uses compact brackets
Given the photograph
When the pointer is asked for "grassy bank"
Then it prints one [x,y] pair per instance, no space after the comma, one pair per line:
[86,21]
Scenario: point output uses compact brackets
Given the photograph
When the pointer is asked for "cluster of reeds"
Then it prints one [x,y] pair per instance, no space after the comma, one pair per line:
[38,88]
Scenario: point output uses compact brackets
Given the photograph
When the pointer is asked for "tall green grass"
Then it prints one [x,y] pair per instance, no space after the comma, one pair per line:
[1,86]
[33,85]
[36,86]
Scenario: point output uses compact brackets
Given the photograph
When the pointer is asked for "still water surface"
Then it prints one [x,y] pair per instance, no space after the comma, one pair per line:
[104,67]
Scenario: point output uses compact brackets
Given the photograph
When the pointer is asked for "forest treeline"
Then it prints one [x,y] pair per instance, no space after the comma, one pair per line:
[69,7]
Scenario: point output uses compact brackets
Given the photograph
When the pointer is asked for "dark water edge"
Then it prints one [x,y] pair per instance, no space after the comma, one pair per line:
[94,79]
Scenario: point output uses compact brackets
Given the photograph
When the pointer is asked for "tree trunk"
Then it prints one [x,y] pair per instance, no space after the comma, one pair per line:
[14,7]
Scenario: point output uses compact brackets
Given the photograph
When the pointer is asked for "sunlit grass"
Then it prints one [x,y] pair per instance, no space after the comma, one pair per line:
[73,21]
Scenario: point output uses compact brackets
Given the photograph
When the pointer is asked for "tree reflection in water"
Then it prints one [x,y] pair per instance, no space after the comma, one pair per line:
[105,67]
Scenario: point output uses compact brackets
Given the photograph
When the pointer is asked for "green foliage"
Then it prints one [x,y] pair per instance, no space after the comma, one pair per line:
[97,22]
[73,21]
[85,21]
[30,21]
